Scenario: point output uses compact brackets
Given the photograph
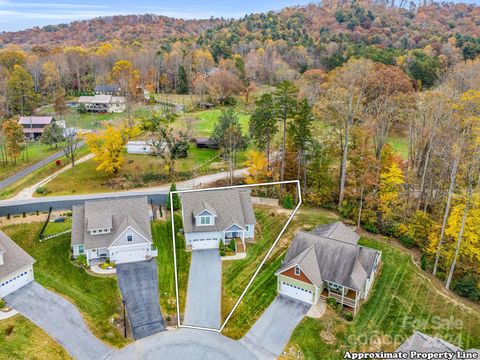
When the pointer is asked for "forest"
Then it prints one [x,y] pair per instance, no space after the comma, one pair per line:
[334,91]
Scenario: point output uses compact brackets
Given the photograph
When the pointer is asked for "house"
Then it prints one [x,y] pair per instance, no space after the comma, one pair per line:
[16,266]
[205,143]
[116,230]
[33,126]
[328,263]
[423,343]
[108,90]
[103,103]
[217,215]
[139,147]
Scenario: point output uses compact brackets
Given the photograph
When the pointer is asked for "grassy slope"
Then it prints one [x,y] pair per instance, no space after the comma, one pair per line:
[98,298]
[36,152]
[27,341]
[161,232]
[208,118]
[399,145]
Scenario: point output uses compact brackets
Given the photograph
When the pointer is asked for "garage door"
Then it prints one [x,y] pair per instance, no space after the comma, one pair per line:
[296,292]
[199,244]
[122,257]
[9,285]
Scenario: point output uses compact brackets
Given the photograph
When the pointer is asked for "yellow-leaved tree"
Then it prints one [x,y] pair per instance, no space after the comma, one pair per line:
[257,167]
[391,182]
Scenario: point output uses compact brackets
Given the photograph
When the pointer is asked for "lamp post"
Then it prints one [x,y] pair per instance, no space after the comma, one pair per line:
[124,319]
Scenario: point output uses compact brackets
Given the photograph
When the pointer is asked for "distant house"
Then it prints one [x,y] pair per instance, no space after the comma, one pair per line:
[118,230]
[423,343]
[328,263]
[16,266]
[103,103]
[108,90]
[139,147]
[33,126]
[217,215]
[205,143]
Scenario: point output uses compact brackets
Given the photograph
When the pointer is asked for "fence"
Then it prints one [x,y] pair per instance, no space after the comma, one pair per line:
[57,234]
[264,201]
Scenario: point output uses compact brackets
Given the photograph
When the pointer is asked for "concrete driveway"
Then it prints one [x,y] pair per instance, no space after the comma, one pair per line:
[59,318]
[270,334]
[138,283]
[184,344]
[204,290]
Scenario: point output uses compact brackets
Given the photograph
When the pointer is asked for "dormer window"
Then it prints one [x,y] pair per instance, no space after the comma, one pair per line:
[205,220]
[129,238]
[297,270]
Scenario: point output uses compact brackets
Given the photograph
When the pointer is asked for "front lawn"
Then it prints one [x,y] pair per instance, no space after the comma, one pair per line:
[36,152]
[162,238]
[98,298]
[22,339]
[53,228]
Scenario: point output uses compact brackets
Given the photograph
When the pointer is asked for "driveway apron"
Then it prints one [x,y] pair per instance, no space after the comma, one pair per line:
[60,319]
[138,283]
[204,290]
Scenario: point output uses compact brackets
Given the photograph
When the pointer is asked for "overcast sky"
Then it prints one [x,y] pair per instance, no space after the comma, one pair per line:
[23,14]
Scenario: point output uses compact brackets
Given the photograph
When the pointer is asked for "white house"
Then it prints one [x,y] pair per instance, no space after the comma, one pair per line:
[212,216]
[328,263]
[16,266]
[117,230]
[103,103]
[139,147]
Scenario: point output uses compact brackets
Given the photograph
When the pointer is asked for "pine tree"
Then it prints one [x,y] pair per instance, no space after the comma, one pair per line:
[175,199]
[21,97]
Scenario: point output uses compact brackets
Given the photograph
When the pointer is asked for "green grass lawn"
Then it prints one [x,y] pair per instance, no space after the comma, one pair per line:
[189,101]
[208,118]
[98,298]
[21,339]
[36,152]
[57,227]
[399,145]
[138,171]
[162,238]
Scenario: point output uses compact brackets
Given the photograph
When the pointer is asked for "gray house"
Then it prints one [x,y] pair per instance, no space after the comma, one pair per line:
[118,230]
[423,343]
[328,262]
[212,216]
[16,266]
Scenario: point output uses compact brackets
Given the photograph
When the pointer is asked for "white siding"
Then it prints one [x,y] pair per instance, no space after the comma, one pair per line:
[16,280]
[130,253]
[122,239]
[249,231]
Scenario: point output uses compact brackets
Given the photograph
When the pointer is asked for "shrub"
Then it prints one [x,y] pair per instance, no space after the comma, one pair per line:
[42,190]
[347,315]
[468,287]
[9,329]
[232,245]
[2,303]
[406,241]
[175,198]
[24,214]
[332,302]
[58,162]
[441,275]
[81,260]
[288,201]
[370,227]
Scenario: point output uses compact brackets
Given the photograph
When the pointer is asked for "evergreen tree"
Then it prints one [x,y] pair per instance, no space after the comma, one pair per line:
[182,87]
[175,199]
[52,135]
[21,98]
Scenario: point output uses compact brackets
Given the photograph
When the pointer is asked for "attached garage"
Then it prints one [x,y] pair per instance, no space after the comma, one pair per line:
[207,243]
[128,256]
[15,281]
[297,292]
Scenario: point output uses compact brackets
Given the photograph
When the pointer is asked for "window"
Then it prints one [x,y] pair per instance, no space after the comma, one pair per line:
[129,238]
[81,249]
[205,220]
[297,271]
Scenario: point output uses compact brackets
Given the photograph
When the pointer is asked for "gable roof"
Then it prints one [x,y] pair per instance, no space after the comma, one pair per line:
[107,88]
[14,257]
[117,214]
[337,231]
[325,259]
[231,206]
[36,120]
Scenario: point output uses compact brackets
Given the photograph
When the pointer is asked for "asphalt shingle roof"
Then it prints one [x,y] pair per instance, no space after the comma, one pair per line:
[327,259]
[14,257]
[117,214]
[232,206]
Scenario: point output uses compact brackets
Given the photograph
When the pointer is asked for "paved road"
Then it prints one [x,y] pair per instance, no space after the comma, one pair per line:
[270,334]
[60,319]
[138,283]
[184,344]
[204,290]
[15,177]
[156,194]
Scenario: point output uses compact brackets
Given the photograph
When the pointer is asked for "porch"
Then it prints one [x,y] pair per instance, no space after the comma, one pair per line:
[348,297]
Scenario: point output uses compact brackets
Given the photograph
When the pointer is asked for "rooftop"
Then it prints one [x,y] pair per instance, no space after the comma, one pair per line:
[14,257]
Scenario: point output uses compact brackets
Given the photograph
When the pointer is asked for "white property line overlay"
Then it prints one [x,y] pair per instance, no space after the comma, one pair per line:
[259,267]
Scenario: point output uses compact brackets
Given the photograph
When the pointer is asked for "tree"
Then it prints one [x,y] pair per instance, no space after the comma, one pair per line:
[14,139]
[257,168]
[76,59]
[223,84]
[263,124]
[21,97]
[391,182]
[52,135]
[183,87]
[126,77]
[71,145]
[108,147]
[51,78]
[343,105]
[301,134]
[175,199]
[285,102]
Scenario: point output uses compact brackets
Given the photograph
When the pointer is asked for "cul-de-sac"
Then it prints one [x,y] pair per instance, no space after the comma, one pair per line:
[211,180]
